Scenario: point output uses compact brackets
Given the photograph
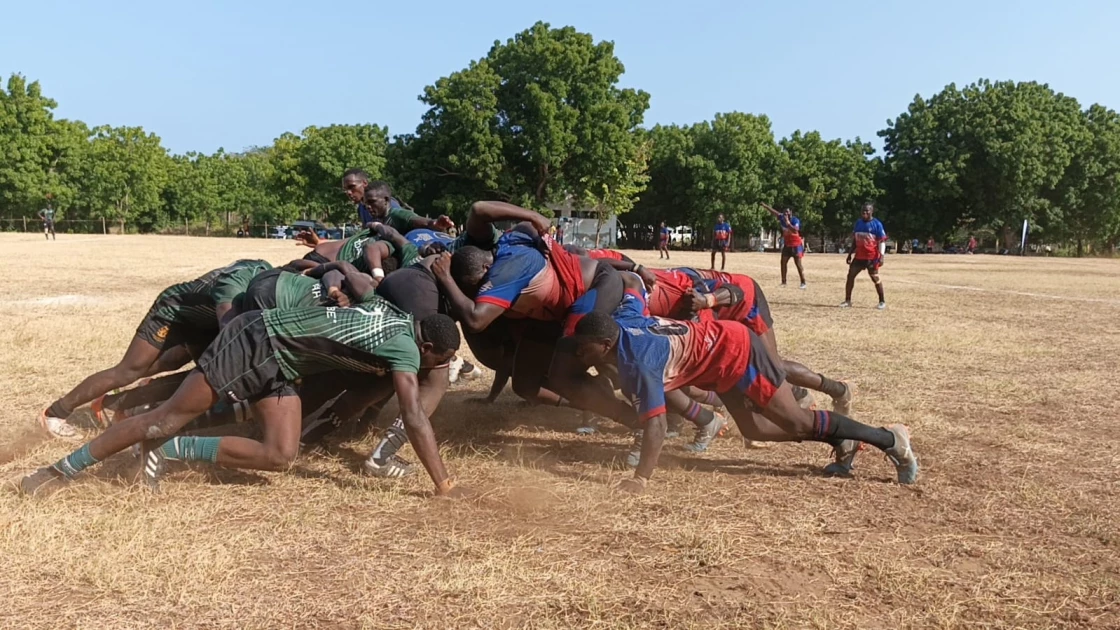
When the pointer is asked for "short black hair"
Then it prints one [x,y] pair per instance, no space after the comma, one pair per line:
[441,331]
[356,173]
[378,186]
[390,264]
[468,262]
[867,205]
[597,326]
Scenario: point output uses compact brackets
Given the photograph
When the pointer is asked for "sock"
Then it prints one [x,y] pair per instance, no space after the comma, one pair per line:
[395,437]
[827,424]
[712,398]
[698,415]
[835,389]
[192,449]
[59,410]
[75,462]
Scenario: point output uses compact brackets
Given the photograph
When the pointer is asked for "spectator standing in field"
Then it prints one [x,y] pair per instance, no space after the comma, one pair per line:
[663,242]
[972,244]
[868,241]
[793,246]
[721,242]
[47,215]
[930,245]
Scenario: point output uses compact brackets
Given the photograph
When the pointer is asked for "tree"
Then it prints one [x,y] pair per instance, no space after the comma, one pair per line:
[614,190]
[825,182]
[124,174]
[989,154]
[324,155]
[35,149]
[534,122]
[1089,191]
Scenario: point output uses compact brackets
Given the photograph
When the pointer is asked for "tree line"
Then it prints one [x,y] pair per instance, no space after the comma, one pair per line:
[541,121]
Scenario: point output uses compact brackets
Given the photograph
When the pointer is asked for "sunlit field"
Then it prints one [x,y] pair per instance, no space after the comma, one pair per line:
[1006,370]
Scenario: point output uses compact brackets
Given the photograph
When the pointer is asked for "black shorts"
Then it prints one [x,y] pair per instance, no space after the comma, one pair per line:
[316,257]
[871,266]
[494,346]
[721,246]
[793,251]
[260,295]
[161,332]
[241,364]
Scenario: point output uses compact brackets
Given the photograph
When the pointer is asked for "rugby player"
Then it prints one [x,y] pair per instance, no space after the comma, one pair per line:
[793,246]
[868,239]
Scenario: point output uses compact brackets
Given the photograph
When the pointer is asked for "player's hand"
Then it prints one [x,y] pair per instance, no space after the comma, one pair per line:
[443,223]
[541,224]
[457,492]
[849,259]
[381,229]
[306,238]
[339,296]
[632,485]
[441,266]
[700,301]
[648,278]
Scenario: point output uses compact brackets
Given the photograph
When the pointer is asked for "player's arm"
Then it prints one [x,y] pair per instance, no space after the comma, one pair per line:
[651,407]
[419,429]
[356,283]
[332,282]
[375,252]
[300,265]
[777,215]
[484,213]
[433,385]
[474,316]
[389,234]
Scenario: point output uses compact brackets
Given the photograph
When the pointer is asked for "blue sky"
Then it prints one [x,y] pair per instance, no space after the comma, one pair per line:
[208,74]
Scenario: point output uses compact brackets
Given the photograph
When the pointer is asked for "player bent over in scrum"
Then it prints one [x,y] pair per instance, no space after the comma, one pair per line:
[256,358]
[654,355]
[182,321]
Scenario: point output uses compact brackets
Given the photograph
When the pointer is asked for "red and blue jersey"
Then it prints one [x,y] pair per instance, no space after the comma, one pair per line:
[604,254]
[529,285]
[791,231]
[722,232]
[672,295]
[420,237]
[656,354]
[665,235]
[868,235]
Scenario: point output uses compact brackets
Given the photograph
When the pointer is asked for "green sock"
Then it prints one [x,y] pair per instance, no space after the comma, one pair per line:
[192,449]
[75,462]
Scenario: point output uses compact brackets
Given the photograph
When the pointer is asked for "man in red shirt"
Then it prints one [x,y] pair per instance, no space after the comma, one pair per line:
[793,246]
[868,239]
[655,355]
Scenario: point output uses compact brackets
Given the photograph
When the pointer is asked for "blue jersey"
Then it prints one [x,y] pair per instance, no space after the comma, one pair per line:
[521,280]
[656,354]
[422,236]
[868,235]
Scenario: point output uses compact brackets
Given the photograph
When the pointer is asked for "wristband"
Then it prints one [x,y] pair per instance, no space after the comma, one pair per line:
[637,268]
[379,273]
[710,298]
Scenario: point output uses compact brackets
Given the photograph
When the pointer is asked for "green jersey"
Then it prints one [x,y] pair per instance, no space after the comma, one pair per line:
[295,290]
[400,219]
[194,302]
[353,251]
[231,284]
[372,337]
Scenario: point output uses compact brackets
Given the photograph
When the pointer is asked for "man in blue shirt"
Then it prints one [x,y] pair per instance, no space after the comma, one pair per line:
[721,242]
[868,240]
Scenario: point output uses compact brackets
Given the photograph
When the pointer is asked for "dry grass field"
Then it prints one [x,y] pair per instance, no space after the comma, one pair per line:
[1007,371]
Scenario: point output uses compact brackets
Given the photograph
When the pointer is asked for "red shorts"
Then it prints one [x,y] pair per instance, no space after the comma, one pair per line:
[762,376]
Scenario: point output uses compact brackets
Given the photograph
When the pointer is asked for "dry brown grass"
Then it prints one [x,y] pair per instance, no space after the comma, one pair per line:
[1012,398]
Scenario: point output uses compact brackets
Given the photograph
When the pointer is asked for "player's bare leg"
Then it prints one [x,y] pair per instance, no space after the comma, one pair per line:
[139,361]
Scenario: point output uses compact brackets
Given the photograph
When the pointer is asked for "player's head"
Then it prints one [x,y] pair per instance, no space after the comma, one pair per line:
[378,195]
[469,266]
[439,340]
[719,219]
[662,224]
[595,337]
[789,213]
[867,211]
[431,248]
[354,182]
